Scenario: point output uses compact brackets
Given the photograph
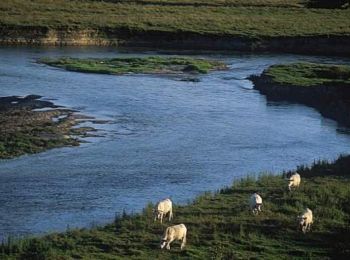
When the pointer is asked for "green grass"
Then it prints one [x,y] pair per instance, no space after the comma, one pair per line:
[264,18]
[310,74]
[24,131]
[155,65]
[220,226]
[27,142]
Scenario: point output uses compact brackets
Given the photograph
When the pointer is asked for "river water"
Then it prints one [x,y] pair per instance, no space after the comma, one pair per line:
[166,138]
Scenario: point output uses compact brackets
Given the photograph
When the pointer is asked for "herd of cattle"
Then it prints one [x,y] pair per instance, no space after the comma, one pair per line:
[179,232]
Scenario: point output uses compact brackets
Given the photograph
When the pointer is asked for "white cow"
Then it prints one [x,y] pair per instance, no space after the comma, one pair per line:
[163,208]
[255,203]
[305,220]
[294,181]
[176,232]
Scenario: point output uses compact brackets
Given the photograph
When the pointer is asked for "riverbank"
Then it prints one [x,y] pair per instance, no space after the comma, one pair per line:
[324,87]
[30,125]
[220,224]
[217,25]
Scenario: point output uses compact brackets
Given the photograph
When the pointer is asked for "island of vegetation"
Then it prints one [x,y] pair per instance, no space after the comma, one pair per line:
[299,26]
[220,225]
[325,87]
[147,65]
[31,125]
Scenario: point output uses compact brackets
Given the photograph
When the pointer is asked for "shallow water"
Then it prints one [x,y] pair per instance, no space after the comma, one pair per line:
[166,138]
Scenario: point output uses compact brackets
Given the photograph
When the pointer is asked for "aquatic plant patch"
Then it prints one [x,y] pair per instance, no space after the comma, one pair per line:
[147,65]
[30,125]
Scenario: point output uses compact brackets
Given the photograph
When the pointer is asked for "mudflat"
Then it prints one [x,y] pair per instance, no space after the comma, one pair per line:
[31,125]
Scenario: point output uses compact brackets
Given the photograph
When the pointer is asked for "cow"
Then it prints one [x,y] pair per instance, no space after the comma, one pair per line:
[305,220]
[176,232]
[294,181]
[255,203]
[163,208]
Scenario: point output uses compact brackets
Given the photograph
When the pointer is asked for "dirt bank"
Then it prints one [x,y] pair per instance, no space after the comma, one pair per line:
[30,35]
[332,101]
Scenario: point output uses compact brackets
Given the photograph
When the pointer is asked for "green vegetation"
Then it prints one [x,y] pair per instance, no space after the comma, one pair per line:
[329,4]
[25,142]
[251,18]
[25,131]
[154,65]
[310,74]
[220,225]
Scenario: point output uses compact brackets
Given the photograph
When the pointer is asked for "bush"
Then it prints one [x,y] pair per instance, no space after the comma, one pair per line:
[329,3]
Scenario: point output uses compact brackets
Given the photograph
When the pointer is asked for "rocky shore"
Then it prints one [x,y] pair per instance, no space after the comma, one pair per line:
[31,125]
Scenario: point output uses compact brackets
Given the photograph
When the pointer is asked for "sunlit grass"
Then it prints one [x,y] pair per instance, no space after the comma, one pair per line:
[265,18]
[310,74]
[154,65]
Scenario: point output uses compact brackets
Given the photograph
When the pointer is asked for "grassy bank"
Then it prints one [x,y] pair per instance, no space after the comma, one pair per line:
[325,87]
[239,18]
[309,74]
[148,65]
[220,226]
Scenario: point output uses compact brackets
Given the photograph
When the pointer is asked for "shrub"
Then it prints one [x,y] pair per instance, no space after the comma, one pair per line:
[329,3]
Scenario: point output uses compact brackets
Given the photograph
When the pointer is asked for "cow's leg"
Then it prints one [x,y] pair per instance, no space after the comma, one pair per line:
[183,242]
[161,218]
[304,229]
[170,215]
[309,227]
[168,244]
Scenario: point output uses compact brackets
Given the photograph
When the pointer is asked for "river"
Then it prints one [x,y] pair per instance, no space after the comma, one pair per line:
[166,138]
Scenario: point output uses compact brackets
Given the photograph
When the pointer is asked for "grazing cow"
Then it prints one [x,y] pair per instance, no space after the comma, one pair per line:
[305,220]
[294,181]
[255,203]
[177,232]
[163,208]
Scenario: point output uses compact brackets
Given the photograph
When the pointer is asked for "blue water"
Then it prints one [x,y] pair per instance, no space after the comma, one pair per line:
[166,138]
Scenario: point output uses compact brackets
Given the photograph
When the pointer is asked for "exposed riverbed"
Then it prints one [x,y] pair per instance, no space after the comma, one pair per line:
[165,137]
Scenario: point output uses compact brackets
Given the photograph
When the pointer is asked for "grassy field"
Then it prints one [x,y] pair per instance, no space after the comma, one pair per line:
[252,19]
[154,65]
[220,225]
[310,74]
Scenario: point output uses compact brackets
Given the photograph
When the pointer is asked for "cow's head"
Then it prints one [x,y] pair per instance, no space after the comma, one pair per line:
[157,214]
[163,243]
